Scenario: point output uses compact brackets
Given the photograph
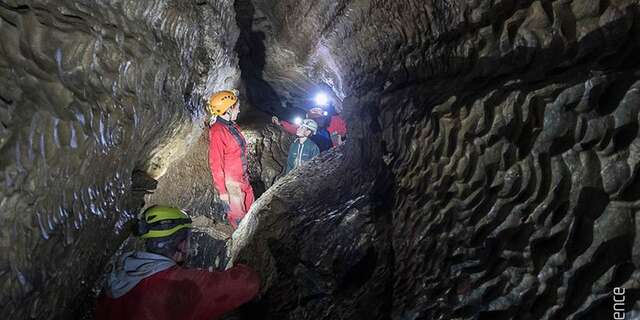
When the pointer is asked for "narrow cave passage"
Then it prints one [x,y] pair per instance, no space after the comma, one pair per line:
[489,170]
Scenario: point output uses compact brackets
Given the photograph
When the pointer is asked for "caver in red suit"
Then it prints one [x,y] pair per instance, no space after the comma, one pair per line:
[228,155]
[152,289]
[151,284]
[228,163]
[337,126]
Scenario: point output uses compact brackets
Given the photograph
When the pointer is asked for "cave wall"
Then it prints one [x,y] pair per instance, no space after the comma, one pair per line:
[319,238]
[90,91]
[532,205]
[517,189]
[511,129]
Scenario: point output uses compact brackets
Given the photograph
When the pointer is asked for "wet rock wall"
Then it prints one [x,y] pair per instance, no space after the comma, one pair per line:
[269,149]
[88,92]
[515,171]
[320,239]
[532,219]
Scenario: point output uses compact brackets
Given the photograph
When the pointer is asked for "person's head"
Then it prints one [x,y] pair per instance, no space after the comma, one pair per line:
[316,112]
[224,104]
[319,115]
[307,128]
[167,232]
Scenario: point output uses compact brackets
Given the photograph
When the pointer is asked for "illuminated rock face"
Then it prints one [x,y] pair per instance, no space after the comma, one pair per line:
[490,170]
[90,91]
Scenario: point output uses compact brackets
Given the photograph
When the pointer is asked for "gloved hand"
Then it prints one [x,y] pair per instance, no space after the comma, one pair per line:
[225,198]
[221,210]
[225,205]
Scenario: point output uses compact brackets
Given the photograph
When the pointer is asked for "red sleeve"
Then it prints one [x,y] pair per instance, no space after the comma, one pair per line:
[338,125]
[288,127]
[216,158]
[220,292]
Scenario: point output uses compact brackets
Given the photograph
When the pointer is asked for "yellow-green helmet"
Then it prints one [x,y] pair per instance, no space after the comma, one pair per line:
[162,221]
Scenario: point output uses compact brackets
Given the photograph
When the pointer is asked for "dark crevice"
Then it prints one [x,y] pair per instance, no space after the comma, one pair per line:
[252,60]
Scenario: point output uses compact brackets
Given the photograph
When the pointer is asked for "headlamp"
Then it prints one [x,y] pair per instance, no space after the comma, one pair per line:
[321,99]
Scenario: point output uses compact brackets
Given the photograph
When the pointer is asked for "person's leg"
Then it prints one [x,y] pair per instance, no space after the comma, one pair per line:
[236,204]
[240,200]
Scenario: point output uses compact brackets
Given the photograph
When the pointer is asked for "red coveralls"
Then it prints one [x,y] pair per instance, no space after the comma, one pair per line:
[180,293]
[288,127]
[337,125]
[228,163]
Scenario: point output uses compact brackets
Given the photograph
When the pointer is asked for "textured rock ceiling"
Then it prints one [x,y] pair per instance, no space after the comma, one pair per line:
[490,171]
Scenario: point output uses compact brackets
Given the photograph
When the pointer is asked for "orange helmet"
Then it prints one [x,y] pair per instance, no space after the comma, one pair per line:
[221,101]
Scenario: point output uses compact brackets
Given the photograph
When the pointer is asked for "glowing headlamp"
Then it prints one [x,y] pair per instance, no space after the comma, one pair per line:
[321,99]
[297,121]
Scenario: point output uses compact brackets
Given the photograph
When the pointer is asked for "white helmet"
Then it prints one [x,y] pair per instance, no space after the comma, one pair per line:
[310,124]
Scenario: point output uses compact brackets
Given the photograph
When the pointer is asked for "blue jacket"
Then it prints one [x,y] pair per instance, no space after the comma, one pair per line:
[322,139]
[300,153]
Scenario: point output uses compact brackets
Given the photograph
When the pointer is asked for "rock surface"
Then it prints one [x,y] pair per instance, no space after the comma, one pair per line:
[322,254]
[90,91]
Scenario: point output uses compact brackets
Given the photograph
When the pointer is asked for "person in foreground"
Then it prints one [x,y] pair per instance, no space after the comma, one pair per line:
[152,284]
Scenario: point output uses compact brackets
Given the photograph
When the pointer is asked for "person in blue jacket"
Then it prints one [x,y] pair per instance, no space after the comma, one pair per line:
[303,149]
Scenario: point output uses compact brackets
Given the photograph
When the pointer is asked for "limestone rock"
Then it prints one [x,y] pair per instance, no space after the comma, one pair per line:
[89,92]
